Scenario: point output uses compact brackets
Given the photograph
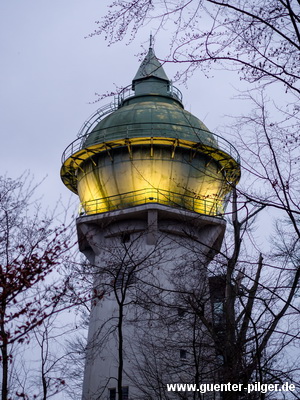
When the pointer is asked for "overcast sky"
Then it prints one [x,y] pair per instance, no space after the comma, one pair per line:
[50,73]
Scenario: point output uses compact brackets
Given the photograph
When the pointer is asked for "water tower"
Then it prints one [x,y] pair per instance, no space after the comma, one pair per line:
[153,183]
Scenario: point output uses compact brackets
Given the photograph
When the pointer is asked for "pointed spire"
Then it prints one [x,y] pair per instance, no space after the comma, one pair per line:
[151,79]
[150,66]
[151,41]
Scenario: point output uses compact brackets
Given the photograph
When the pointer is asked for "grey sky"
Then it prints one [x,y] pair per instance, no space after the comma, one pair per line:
[50,72]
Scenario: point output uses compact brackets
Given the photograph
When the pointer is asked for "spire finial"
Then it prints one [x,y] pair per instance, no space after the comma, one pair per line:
[151,41]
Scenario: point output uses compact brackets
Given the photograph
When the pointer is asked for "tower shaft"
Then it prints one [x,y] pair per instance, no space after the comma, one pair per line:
[146,261]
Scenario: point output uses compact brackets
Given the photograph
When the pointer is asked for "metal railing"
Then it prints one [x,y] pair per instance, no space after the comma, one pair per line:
[215,141]
[96,117]
[128,92]
[198,204]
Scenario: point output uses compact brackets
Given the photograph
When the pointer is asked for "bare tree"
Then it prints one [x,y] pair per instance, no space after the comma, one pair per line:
[233,320]
[51,375]
[258,39]
[31,250]
[75,355]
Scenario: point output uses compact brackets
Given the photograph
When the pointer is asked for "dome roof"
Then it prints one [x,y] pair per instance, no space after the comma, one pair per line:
[151,116]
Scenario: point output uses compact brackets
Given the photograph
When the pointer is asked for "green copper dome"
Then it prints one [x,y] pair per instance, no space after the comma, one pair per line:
[152,110]
[153,116]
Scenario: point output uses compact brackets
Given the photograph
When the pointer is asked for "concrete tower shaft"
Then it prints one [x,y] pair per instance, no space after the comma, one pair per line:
[142,259]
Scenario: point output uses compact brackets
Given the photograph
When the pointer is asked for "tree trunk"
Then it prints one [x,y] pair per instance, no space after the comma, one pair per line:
[4,355]
[120,350]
